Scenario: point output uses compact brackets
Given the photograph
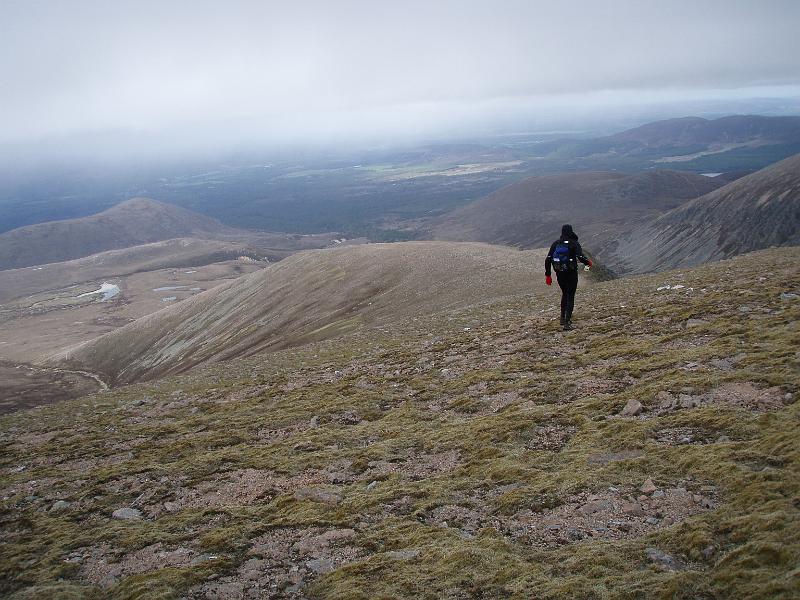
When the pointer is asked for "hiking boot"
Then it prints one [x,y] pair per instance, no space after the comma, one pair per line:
[567,326]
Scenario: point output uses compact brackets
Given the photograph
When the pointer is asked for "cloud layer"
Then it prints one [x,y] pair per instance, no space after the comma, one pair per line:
[316,68]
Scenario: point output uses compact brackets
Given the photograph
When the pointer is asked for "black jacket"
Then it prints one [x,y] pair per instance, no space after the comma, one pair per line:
[575,251]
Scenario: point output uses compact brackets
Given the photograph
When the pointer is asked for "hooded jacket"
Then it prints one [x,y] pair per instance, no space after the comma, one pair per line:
[568,237]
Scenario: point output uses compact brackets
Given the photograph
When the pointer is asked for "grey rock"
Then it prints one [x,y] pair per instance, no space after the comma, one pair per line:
[653,520]
[127,514]
[318,495]
[321,565]
[633,508]
[314,422]
[662,560]
[371,485]
[198,560]
[575,534]
[403,554]
[59,505]
[632,408]
[708,552]
[789,296]
[171,506]
[696,323]
[648,487]
[658,494]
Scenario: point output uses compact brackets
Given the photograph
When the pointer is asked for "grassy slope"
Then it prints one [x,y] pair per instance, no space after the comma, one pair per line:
[632,342]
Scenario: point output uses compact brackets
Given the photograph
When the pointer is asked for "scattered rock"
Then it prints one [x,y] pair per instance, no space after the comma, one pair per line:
[314,421]
[662,560]
[171,506]
[648,487]
[789,296]
[127,514]
[708,552]
[371,485]
[632,408]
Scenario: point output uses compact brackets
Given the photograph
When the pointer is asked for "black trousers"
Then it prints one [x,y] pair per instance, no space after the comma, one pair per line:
[568,282]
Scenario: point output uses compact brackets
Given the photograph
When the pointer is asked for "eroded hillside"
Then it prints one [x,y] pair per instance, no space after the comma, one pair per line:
[482,452]
[307,297]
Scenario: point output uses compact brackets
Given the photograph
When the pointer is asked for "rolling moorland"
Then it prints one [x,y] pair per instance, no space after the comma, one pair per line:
[480,452]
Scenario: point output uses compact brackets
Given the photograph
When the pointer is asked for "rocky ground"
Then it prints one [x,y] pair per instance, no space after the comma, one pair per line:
[651,452]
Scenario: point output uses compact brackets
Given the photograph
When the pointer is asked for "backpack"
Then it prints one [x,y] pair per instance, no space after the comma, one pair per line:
[561,258]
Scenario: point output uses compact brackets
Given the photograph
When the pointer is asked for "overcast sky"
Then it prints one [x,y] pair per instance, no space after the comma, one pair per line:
[301,70]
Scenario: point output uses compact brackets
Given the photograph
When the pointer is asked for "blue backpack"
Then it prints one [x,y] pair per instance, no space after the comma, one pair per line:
[561,258]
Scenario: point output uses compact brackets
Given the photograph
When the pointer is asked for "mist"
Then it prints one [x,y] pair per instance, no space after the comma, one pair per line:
[156,79]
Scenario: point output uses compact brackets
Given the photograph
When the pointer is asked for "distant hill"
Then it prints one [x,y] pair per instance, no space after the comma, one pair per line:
[530,213]
[695,130]
[690,139]
[309,296]
[754,212]
[130,223]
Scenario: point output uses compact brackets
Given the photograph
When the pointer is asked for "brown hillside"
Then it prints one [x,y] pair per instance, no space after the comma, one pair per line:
[309,296]
[754,212]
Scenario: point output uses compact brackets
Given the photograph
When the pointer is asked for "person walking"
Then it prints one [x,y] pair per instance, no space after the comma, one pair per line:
[563,257]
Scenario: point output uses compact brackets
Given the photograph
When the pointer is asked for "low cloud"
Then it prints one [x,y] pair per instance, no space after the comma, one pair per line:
[307,70]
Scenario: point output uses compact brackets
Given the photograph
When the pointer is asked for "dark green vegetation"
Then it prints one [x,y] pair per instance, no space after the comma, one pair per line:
[502,467]
[384,193]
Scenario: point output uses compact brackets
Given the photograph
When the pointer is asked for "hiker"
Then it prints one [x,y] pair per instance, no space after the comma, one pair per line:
[563,256]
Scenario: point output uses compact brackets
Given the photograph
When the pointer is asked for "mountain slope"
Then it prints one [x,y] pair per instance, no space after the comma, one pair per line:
[530,213]
[177,253]
[130,223]
[308,296]
[431,461]
[754,212]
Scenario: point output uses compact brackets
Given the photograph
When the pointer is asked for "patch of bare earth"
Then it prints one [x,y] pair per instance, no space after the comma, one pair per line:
[415,466]
[615,513]
[240,488]
[104,566]
[744,395]
[282,562]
